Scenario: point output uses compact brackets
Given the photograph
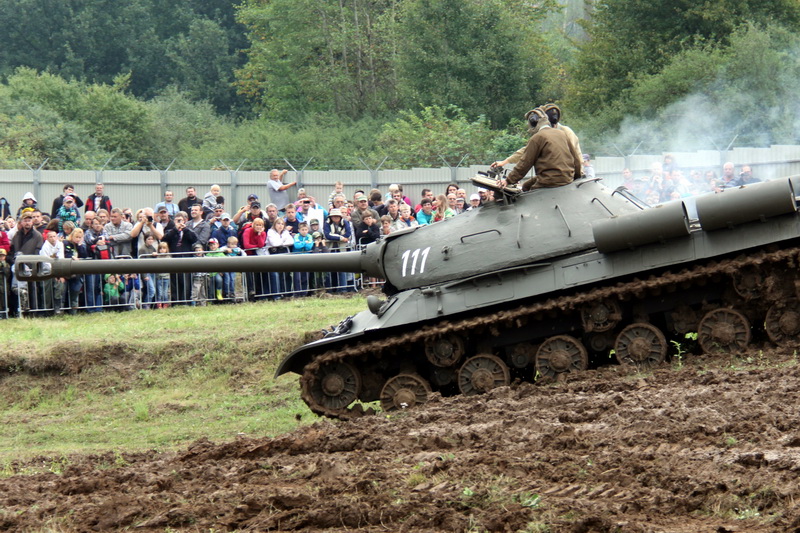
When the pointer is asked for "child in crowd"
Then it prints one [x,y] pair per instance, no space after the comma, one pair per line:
[321,280]
[386,225]
[133,291]
[113,289]
[367,231]
[215,278]
[199,280]
[303,243]
[229,278]
[338,188]
[162,279]
[75,249]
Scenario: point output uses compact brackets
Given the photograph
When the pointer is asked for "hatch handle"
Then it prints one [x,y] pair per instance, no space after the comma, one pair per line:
[479,233]
[560,212]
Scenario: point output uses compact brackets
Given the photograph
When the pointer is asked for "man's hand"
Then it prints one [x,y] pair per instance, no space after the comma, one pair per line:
[501,183]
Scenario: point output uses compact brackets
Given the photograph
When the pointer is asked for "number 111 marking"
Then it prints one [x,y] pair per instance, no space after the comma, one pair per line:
[414,257]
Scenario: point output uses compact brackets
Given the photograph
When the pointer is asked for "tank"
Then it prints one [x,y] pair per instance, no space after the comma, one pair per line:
[535,286]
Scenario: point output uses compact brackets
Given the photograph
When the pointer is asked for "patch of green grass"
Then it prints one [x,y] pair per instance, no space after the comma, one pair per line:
[155,379]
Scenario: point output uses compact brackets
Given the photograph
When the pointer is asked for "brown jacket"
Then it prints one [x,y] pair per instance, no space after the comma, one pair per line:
[555,159]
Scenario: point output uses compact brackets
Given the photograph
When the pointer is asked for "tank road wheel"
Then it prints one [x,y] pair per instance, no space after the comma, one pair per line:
[444,351]
[641,345]
[560,354]
[521,354]
[482,373]
[404,391]
[783,322]
[723,330]
[602,316]
[748,282]
[334,387]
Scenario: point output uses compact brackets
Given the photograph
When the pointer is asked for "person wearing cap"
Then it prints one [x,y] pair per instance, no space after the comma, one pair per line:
[168,204]
[277,189]
[361,209]
[319,280]
[163,217]
[252,212]
[214,217]
[69,190]
[474,201]
[224,230]
[338,233]
[549,152]
[27,240]
[67,212]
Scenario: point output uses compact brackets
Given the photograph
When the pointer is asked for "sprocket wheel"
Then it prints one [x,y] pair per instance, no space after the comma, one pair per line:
[482,373]
[404,391]
[641,345]
[723,330]
[783,323]
[444,351]
[335,386]
[559,354]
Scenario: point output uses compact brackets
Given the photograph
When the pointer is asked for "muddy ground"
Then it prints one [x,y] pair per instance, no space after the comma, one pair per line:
[713,446]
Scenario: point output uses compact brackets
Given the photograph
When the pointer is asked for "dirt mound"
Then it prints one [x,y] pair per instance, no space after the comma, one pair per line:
[703,448]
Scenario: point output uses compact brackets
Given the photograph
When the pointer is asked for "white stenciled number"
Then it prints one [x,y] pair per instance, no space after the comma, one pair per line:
[415,256]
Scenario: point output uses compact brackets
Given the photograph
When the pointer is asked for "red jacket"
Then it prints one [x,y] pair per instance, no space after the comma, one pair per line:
[92,204]
[253,240]
[5,243]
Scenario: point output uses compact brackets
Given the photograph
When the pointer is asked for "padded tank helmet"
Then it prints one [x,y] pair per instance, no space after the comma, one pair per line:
[553,113]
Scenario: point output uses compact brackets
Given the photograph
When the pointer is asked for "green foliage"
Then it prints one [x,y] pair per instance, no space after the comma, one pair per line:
[159,43]
[743,89]
[434,133]
[323,139]
[471,54]
[629,40]
[340,67]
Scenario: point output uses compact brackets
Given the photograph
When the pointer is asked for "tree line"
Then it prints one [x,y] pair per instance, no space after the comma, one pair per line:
[348,83]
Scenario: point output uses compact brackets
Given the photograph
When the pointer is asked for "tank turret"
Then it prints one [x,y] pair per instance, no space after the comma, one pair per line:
[535,286]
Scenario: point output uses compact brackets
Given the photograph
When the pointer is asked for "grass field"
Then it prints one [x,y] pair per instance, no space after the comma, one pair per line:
[144,380]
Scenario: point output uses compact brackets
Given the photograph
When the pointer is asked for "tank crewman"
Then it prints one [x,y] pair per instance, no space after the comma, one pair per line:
[553,113]
[549,152]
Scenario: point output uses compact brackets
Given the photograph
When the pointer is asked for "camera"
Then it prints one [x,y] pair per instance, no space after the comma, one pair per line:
[149,218]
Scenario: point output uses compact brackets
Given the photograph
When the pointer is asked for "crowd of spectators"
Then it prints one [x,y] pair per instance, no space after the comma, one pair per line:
[96,230]
[667,181]
[93,229]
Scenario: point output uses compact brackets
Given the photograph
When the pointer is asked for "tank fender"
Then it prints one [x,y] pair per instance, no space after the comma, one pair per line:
[748,203]
[656,224]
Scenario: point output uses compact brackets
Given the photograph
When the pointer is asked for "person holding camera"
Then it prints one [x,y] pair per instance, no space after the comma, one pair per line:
[146,225]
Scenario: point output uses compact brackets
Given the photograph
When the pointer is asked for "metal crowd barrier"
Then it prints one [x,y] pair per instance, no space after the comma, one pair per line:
[85,293]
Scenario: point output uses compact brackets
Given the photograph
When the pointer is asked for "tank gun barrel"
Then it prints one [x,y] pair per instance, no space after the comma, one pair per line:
[36,268]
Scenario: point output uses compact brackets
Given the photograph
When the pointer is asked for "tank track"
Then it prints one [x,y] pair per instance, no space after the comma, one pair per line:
[635,288]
